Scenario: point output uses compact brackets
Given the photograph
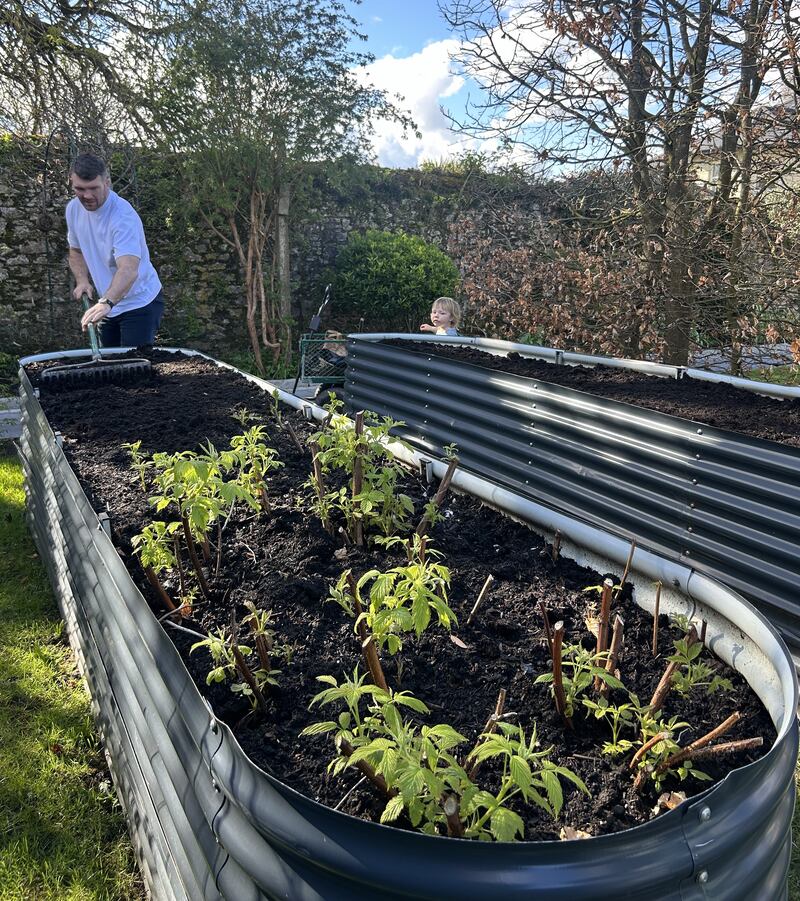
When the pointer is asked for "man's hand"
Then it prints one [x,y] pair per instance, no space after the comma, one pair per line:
[83,288]
[95,314]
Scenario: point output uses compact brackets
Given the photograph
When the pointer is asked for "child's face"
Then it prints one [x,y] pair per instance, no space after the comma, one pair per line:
[440,317]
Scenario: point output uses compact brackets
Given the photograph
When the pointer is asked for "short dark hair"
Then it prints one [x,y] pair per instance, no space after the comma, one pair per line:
[88,166]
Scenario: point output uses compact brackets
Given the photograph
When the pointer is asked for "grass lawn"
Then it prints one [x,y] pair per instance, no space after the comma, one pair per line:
[62,833]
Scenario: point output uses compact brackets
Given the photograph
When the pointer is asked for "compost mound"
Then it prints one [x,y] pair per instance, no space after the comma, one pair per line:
[286,562]
[715,404]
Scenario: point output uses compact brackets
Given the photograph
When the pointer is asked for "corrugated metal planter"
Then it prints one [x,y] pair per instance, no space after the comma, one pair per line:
[725,504]
[208,823]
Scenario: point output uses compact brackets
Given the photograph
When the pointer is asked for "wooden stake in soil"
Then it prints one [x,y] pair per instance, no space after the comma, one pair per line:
[241,664]
[424,523]
[700,749]
[358,481]
[558,683]
[613,656]
[319,481]
[555,547]
[153,579]
[602,627]
[470,764]
[627,565]
[659,736]
[187,534]
[368,648]
[293,436]
[482,594]
[450,805]
[548,632]
[655,618]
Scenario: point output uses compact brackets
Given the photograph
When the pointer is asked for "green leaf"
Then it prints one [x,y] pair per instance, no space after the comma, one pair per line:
[505,825]
[393,809]
[520,773]
[319,728]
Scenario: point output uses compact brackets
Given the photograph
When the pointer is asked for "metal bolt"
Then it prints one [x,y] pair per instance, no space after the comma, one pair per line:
[699,431]
[705,814]
[702,877]
[692,505]
[689,529]
[694,481]
[697,456]
[686,553]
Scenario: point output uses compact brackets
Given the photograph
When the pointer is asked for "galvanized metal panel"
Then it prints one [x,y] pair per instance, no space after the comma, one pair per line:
[186,783]
[723,503]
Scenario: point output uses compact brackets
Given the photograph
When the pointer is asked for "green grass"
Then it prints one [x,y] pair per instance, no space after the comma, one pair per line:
[777,375]
[62,833]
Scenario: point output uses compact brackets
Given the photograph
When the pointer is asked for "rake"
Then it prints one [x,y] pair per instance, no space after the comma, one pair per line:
[97,371]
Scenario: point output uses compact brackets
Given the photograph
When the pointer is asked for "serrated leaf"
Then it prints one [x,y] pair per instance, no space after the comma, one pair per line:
[505,825]
[393,809]
[521,773]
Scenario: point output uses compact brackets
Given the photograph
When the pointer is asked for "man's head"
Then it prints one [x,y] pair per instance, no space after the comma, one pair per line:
[89,179]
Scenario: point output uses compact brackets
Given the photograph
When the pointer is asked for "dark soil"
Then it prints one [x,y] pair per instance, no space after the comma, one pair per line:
[715,404]
[286,562]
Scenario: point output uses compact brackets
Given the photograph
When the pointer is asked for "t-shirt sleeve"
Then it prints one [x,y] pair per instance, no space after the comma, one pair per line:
[72,238]
[125,236]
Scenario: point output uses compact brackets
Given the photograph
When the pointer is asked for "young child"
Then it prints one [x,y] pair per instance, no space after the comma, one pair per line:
[445,316]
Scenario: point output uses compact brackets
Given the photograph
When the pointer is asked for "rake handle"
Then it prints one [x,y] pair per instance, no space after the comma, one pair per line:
[92,330]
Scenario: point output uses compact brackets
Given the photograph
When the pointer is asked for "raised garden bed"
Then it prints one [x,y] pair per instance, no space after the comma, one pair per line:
[715,403]
[286,562]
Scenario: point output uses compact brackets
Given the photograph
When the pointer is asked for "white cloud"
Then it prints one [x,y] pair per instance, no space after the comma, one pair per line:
[422,81]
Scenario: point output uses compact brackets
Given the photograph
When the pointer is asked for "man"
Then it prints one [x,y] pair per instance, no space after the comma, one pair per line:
[106,242]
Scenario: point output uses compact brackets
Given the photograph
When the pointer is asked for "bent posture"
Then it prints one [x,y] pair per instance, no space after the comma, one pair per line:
[108,252]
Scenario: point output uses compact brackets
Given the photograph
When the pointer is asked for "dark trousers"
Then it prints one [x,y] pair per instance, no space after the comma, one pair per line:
[136,328]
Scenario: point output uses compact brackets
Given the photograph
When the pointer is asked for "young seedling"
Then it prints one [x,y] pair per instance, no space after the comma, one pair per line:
[243,668]
[432,509]
[692,673]
[323,507]
[618,717]
[260,624]
[665,683]
[154,546]
[347,594]
[139,462]
[406,598]
[583,665]
[471,764]
[255,460]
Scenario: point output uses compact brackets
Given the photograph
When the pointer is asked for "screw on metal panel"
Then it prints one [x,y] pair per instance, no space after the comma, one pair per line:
[697,456]
[699,431]
[694,481]
[689,529]
[686,553]
[691,504]
[702,877]
[705,814]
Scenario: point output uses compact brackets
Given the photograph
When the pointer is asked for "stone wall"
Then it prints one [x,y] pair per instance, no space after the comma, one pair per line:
[205,305]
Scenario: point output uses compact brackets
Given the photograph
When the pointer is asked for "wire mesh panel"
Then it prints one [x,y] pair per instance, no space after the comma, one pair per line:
[323,360]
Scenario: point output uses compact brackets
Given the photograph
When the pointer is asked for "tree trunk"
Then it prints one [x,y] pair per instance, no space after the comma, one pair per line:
[284,261]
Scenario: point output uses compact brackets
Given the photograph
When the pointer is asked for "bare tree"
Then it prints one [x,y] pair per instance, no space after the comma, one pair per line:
[650,86]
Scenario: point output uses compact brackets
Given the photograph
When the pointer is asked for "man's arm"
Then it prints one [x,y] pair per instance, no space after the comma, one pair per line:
[126,274]
[80,270]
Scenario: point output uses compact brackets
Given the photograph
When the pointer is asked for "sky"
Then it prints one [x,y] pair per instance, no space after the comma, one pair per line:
[411,44]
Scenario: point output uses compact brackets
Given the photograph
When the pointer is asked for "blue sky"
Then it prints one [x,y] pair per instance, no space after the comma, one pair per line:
[412,44]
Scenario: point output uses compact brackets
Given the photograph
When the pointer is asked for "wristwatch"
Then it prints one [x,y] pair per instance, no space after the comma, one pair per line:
[106,300]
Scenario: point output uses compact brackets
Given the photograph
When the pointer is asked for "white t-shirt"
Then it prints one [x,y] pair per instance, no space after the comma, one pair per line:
[105,234]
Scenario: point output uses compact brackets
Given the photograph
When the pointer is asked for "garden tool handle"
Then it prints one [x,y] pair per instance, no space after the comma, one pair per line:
[91,327]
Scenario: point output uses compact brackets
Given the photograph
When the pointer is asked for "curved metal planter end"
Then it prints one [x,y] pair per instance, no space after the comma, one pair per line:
[208,824]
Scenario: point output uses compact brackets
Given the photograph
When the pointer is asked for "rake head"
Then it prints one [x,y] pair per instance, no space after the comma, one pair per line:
[96,372]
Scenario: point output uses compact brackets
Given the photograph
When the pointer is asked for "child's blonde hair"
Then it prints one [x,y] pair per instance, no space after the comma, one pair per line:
[453,307]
